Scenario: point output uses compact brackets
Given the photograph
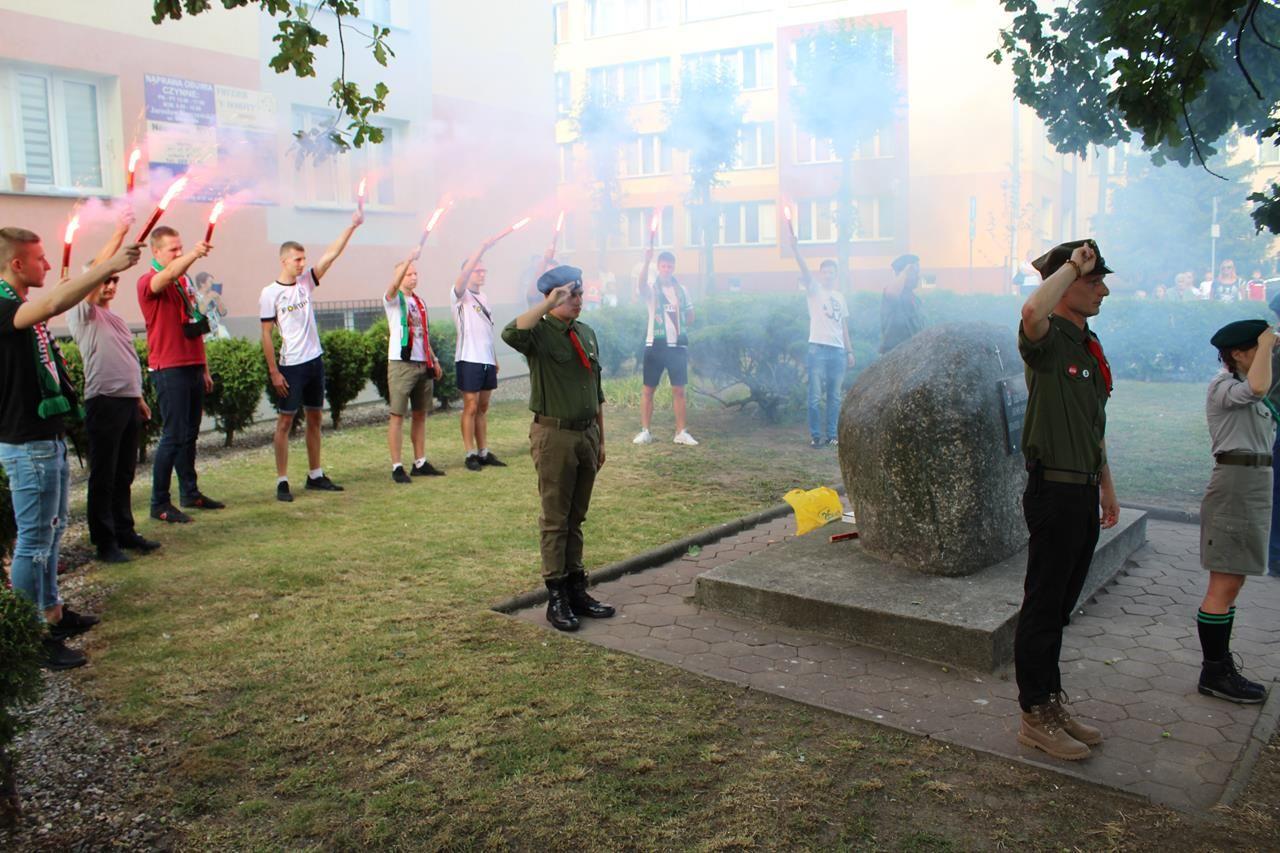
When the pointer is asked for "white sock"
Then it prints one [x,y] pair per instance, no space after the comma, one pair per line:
[418,463]
[471,453]
[484,451]
[315,473]
[280,480]
[396,465]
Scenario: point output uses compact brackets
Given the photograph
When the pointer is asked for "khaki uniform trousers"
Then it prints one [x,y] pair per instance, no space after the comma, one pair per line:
[566,461]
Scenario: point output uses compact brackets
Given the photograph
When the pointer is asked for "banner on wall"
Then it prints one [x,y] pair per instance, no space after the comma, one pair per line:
[224,133]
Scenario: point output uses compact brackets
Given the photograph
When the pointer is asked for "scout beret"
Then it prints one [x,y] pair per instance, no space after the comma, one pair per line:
[1240,334]
[901,262]
[553,278]
[1048,263]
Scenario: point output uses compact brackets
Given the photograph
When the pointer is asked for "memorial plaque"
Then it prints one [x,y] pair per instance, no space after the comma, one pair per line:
[1013,401]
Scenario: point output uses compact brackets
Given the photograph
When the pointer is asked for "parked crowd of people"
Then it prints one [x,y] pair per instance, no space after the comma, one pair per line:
[1070,493]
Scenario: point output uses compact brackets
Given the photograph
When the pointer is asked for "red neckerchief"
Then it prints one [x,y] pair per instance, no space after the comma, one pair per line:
[1095,349]
[422,314]
[577,344]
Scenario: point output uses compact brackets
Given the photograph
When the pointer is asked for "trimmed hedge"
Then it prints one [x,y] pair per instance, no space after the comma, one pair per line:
[347,358]
[443,340]
[20,684]
[239,373]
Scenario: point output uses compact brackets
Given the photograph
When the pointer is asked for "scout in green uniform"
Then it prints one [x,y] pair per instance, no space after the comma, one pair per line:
[567,435]
[1070,494]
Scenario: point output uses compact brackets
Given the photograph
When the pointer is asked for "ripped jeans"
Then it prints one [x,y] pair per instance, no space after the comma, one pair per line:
[39,481]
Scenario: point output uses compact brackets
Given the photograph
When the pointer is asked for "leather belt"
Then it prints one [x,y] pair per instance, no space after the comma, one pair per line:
[1250,460]
[1075,478]
[578,426]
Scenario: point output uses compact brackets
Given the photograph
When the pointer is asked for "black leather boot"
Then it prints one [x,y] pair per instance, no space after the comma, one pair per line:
[1222,679]
[582,603]
[559,613]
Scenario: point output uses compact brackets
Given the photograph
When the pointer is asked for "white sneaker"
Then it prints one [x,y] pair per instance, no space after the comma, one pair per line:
[642,437]
[683,437]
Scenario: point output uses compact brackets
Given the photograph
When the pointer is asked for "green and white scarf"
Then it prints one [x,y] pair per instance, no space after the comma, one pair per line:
[186,292]
[406,334]
[57,397]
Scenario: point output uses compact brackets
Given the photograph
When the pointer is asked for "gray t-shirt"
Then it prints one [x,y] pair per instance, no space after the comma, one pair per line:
[1238,419]
[111,366]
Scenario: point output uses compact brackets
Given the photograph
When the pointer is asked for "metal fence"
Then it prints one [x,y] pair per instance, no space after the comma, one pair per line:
[356,315]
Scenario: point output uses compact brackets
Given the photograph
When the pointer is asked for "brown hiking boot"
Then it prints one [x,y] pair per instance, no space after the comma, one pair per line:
[1078,729]
[1040,728]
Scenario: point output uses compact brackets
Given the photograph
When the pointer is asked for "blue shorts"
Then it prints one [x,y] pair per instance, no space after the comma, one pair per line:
[473,376]
[306,386]
[673,360]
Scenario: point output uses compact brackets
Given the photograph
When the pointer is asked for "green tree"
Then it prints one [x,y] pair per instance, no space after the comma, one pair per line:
[1181,75]
[705,121]
[347,356]
[239,375]
[297,39]
[846,91]
[1160,218]
[603,127]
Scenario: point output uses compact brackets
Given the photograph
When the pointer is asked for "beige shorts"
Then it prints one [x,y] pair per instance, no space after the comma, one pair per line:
[409,385]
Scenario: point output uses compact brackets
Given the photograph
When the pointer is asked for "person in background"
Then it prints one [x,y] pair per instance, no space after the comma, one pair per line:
[900,316]
[830,351]
[1235,515]
[1160,294]
[1183,287]
[1205,288]
[35,397]
[210,301]
[475,357]
[114,412]
[666,346]
[1256,287]
[175,355]
[1226,287]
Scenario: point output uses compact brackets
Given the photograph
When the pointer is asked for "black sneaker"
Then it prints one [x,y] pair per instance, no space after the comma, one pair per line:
[426,469]
[816,443]
[73,624]
[112,554]
[283,493]
[170,514]
[1222,679]
[491,460]
[57,656]
[322,484]
[138,543]
[398,475]
[473,463]
[203,502]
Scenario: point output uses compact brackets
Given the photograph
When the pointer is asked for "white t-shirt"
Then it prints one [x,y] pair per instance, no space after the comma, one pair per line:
[417,329]
[673,322]
[475,327]
[290,306]
[827,313]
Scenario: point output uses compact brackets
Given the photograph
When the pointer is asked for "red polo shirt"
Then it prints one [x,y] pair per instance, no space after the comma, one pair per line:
[163,314]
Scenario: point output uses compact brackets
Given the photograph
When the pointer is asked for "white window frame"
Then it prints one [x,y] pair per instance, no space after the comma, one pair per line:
[767,155]
[734,60]
[559,23]
[733,7]
[634,152]
[766,214]
[645,77]
[810,149]
[637,15]
[344,170]
[55,81]
[564,93]
[633,229]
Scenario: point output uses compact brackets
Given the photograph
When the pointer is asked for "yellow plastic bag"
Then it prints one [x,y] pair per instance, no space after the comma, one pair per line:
[814,508]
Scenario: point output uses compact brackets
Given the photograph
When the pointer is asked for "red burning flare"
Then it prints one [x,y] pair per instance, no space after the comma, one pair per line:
[213,220]
[522,223]
[133,168]
[72,225]
[431,223]
[560,222]
[169,195]
[360,194]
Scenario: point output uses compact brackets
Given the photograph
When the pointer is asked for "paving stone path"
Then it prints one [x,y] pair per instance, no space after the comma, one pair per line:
[1130,663]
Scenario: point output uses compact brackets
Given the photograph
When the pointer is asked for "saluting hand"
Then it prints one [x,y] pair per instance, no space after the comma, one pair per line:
[1267,340]
[559,295]
[1085,257]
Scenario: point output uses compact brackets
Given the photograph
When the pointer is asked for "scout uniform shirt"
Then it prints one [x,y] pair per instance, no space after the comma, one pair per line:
[1068,387]
[561,385]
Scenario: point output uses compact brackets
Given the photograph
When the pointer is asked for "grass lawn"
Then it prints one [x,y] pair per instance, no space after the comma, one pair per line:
[1158,443]
[331,676]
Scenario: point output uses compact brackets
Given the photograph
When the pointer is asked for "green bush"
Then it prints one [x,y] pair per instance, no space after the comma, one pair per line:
[150,428]
[347,357]
[239,371]
[76,435]
[620,332]
[378,337]
[20,684]
[443,337]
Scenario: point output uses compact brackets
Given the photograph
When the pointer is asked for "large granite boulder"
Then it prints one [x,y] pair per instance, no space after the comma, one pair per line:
[924,454]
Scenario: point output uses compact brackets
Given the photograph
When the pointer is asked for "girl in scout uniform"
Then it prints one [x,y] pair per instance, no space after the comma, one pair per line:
[1235,515]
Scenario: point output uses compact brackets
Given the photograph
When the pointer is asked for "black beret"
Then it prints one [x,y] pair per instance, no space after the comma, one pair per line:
[561,275]
[1048,263]
[901,262]
[1241,334]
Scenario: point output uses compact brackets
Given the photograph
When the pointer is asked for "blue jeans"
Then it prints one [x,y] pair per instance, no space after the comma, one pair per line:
[826,376]
[39,481]
[181,394]
[1273,558]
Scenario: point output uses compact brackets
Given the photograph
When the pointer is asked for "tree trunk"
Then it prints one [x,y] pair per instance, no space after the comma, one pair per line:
[230,435]
[709,221]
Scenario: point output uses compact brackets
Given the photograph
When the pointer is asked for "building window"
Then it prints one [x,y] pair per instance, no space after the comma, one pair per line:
[755,146]
[703,10]
[559,23]
[876,147]
[334,180]
[752,67]
[745,223]
[636,222]
[566,162]
[57,138]
[564,94]
[816,221]
[634,82]
[813,149]
[610,17]
[804,51]
[647,154]
[387,13]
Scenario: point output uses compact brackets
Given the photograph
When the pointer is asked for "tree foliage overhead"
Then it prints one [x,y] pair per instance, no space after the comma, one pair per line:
[296,42]
[603,126]
[1179,74]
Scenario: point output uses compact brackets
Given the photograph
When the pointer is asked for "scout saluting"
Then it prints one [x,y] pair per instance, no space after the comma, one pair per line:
[1235,515]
